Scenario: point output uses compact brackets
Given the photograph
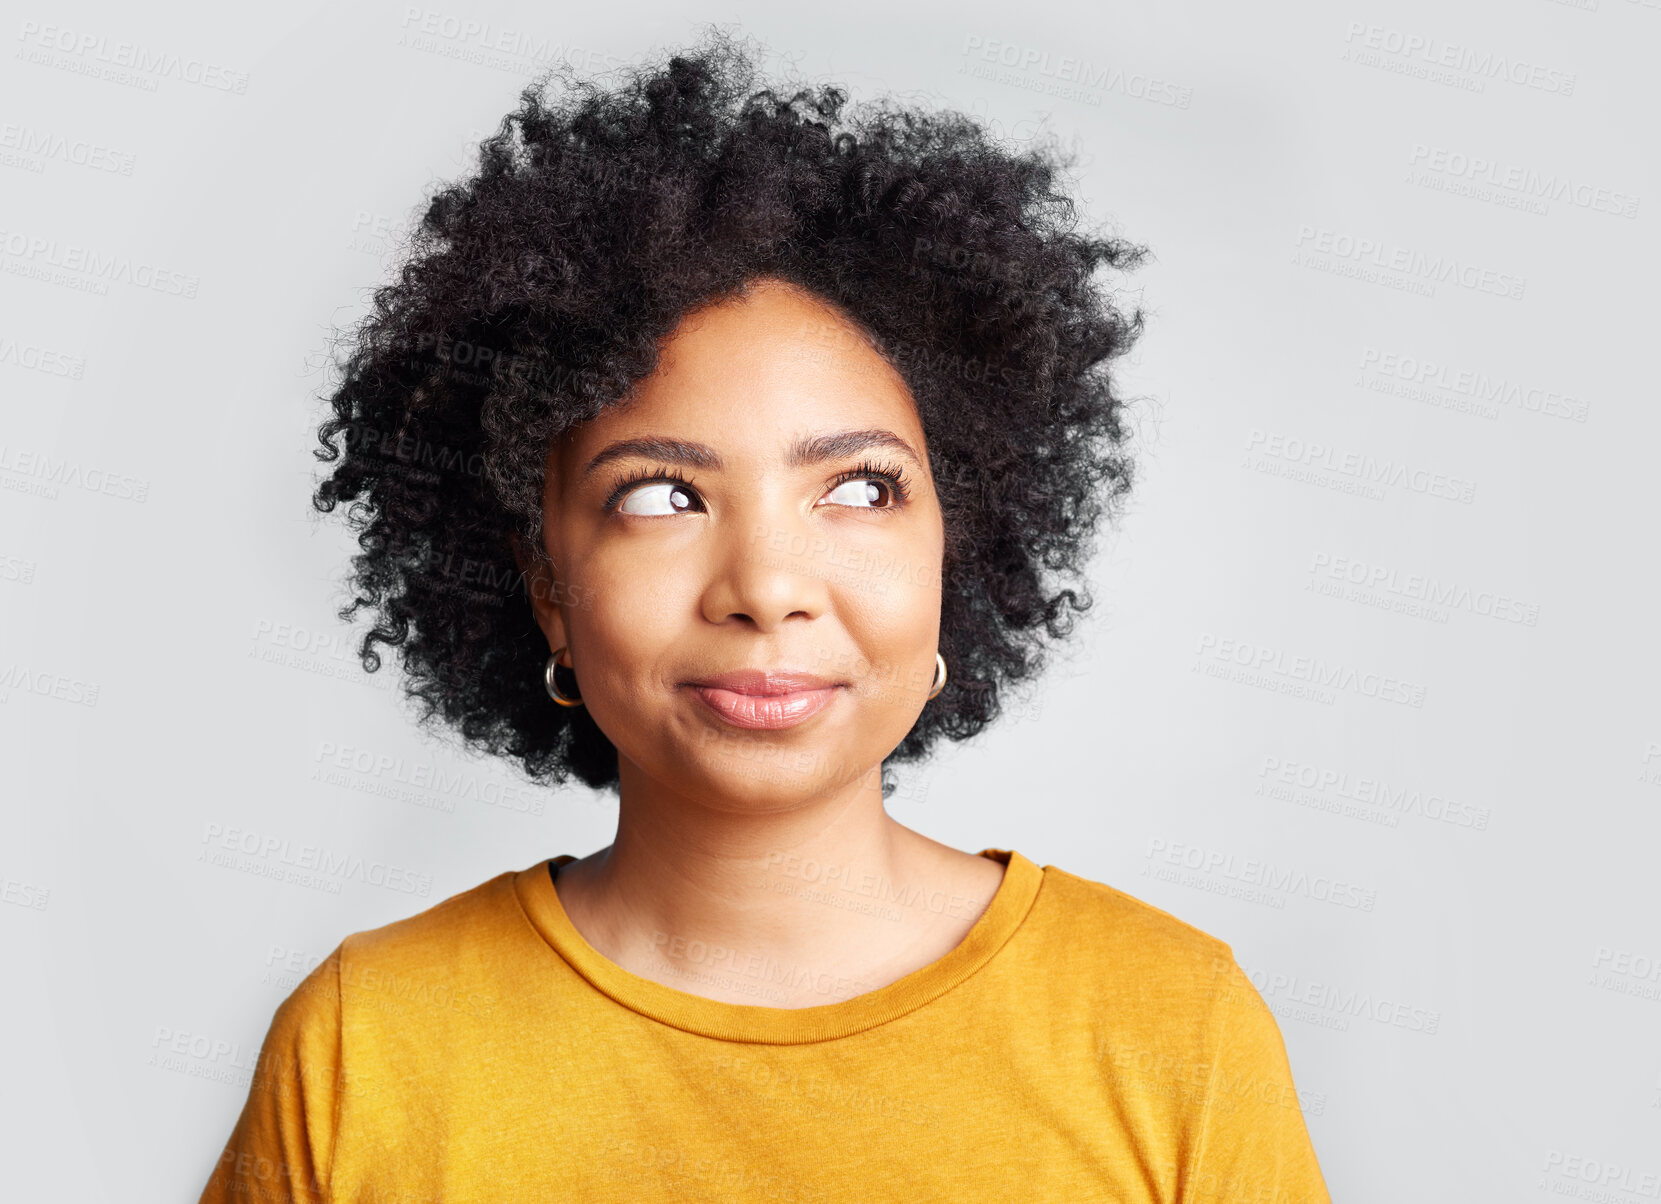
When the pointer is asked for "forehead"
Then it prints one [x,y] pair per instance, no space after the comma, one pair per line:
[755,372]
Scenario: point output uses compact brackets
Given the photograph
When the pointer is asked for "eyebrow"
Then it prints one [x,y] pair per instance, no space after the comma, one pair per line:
[806,451]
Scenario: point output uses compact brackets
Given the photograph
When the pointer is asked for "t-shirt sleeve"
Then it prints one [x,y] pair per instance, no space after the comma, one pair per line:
[1252,1144]
[281,1148]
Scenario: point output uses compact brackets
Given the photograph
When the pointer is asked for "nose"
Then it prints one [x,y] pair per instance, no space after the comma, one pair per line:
[765,573]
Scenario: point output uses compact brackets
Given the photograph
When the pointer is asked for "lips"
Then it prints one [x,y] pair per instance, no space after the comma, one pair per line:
[764,681]
[765,699]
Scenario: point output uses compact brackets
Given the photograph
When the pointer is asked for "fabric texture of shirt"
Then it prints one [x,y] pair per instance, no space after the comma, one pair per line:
[1077,1044]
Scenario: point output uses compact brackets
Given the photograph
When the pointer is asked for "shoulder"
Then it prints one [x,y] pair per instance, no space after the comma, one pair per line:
[437,959]
[1140,978]
[1186,1042]
[1165,1002]
[450,922]
[1101,921]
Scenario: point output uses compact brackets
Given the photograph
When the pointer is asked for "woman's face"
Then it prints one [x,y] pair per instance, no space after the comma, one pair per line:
[761,503]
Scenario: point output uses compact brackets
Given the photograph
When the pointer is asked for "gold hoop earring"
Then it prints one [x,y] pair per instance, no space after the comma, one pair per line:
[939,675]
[553,689]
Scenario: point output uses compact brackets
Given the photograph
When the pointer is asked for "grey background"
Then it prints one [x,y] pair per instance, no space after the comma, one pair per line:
[1475,1014]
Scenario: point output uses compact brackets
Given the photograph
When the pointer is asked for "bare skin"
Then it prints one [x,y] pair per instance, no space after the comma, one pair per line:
[757,562]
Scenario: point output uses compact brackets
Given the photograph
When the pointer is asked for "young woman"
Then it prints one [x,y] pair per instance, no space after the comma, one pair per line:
[722,449]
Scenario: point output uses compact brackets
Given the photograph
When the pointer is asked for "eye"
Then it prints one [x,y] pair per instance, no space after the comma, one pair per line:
[870,487]
[658,497]
[652,492]
[861,491]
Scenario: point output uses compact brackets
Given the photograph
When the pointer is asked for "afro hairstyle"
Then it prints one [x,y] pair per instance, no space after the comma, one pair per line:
[538,291]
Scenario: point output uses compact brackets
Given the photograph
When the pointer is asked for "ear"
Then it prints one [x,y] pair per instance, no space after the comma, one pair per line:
[543,592]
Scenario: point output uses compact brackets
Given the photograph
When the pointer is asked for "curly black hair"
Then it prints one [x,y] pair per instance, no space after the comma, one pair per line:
[538,292]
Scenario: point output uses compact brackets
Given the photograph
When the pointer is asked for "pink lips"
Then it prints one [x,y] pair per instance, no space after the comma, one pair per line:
[758,699]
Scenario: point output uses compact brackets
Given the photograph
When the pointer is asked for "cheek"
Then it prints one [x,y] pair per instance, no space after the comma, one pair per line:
[888,594]
[894,624]
[630,621]
[631,633]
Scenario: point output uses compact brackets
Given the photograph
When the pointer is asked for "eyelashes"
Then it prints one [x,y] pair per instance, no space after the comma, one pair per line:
[890,474]
[625,482]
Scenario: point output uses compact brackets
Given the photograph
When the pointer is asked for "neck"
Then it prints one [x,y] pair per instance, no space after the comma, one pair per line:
[830,890]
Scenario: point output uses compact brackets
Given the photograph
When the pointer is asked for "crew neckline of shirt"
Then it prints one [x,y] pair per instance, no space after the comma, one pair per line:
[725,1021]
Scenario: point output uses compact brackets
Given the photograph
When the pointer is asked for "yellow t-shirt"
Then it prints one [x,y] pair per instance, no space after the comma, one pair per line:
[1078,1044]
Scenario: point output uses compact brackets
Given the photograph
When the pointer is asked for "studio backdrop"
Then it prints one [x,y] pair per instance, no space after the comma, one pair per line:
[1369,688]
